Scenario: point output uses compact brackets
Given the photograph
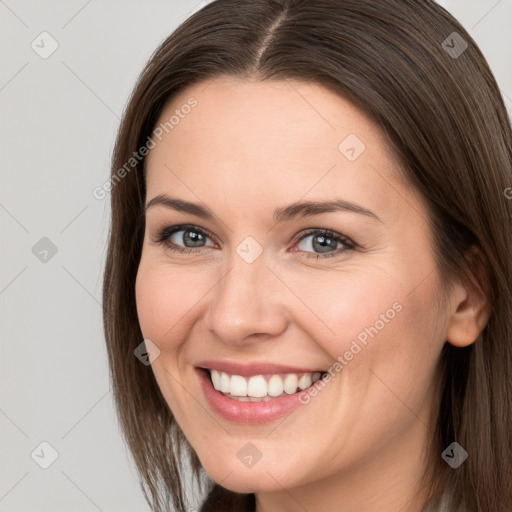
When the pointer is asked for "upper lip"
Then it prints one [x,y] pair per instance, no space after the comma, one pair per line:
[248,370]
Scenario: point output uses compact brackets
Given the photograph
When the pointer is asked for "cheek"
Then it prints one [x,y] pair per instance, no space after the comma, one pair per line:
[397,349]
[348,305]
[373,321]
[383,360]
[165,301]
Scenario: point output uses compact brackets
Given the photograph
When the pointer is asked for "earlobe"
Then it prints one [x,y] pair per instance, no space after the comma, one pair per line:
[470,305]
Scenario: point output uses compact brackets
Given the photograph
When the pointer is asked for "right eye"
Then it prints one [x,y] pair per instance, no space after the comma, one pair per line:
[172,236]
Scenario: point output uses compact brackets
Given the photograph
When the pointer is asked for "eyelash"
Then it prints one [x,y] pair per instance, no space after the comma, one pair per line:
[165,233]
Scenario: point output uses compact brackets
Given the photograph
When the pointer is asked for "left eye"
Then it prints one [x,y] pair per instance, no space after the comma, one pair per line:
[325,242]
[322,240]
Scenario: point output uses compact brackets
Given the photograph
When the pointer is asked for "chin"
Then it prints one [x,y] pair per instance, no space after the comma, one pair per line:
[248,480]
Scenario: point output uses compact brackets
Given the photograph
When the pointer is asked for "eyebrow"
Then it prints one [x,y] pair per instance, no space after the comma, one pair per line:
[283,214]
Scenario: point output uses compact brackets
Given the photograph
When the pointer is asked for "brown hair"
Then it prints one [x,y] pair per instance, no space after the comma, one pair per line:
[447,124]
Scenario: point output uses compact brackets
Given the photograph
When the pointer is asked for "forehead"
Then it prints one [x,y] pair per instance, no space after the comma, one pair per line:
[275,141]
[285,115]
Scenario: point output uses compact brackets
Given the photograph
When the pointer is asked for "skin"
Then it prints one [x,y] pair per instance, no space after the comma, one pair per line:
[247,148]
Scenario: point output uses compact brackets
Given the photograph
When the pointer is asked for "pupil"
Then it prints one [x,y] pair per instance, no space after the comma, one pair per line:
[193,237]
[324,243]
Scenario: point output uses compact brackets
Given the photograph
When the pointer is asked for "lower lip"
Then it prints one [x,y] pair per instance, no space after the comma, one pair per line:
[246,412]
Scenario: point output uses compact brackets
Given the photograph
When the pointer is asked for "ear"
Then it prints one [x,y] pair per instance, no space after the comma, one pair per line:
[470,305]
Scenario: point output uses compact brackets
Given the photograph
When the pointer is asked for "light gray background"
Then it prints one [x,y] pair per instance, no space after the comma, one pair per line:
[58,122]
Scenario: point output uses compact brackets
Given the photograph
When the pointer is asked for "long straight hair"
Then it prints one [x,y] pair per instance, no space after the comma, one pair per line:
[404,63]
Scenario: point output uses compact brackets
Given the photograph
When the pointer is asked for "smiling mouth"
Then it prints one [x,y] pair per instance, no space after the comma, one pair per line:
[261,388]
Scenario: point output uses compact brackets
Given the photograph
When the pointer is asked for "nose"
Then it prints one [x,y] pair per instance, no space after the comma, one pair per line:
[247,303]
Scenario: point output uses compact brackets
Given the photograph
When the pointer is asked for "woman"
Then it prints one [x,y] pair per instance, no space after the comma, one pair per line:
[310,256]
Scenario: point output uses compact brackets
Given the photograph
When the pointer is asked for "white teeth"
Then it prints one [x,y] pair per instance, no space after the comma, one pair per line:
[257,388]
[290,383]
[238,386]
[215,379]
[275,386]
[224,382]
[305,381]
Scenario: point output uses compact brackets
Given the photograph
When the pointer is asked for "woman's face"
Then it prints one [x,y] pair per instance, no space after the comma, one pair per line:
[263,284]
